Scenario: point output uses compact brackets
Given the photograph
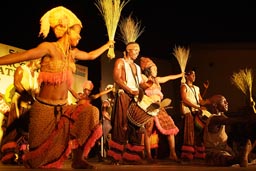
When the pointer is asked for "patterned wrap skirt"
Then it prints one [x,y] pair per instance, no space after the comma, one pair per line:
[55,130]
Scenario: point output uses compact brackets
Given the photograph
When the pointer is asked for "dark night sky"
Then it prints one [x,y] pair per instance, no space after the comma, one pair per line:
[167,23]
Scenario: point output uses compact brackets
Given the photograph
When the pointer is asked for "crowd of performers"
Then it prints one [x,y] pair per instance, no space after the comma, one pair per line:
[40,129]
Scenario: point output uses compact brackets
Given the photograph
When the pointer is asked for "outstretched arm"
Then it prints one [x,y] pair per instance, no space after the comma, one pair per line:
[18,74]
[40,51]
[101,94]
[74,94]
[169,77]
[82,55]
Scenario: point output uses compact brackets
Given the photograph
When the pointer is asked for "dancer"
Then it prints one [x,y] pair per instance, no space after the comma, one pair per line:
[107,107]
[84,105]
[163,121]
[106,111]
[52,125]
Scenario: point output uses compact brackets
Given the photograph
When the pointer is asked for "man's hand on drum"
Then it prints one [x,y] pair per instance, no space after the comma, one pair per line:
[202,108]
[134,92]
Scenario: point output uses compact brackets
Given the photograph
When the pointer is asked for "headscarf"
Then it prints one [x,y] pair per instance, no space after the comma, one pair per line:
[57,16]
[146,62]
[88,85]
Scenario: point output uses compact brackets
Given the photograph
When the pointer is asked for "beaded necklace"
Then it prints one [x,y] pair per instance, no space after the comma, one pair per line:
[62,50]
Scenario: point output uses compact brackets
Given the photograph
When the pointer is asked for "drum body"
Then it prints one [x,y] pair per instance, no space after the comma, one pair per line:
[147,103]
[201,118]
[137,115]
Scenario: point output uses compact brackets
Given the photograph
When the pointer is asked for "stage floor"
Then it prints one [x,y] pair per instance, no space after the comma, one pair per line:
[161,165]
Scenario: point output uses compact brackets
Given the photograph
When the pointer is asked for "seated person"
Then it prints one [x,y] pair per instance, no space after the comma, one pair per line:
[218,151]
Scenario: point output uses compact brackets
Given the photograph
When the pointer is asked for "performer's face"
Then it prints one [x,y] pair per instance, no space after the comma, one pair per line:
[153,70]
[74,35]
[191,76]
[223,105]
[86,93]
[133,51]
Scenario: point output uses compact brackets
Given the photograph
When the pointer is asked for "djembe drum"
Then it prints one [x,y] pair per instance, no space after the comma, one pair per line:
[201,118]
[138,112]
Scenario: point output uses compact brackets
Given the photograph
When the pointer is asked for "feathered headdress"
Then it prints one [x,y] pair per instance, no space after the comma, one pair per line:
[57,16]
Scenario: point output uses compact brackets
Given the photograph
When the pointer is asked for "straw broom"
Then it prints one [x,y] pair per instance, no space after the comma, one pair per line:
[111,11]
[243,81]
[130,29]
[181,55]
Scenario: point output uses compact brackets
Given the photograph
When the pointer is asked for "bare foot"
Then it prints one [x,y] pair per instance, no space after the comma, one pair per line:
[246,152]
[174,157]
[82,164]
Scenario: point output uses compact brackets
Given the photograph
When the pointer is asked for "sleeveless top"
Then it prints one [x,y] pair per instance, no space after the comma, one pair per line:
[155,90]
[192,94]
[132,81]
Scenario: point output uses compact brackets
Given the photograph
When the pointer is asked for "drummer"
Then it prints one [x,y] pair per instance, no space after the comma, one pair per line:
[192,104]
[125,141]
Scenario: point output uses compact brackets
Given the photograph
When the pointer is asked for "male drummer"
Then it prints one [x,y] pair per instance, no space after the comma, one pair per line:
[192,104]
[126,138]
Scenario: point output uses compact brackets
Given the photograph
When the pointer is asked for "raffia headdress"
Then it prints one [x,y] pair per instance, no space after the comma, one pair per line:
[130,29]
[57,16]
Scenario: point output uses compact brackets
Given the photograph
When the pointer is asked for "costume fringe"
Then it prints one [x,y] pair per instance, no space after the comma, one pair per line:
[44,147]
[173,131]
[188,148]
[56,78]
[115,145]
[9,157]
[114,155]
[135,148]
[9,145]
[131,157]
[97,133]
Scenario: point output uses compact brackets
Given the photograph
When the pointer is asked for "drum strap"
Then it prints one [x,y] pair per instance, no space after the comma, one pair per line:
[135,76]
